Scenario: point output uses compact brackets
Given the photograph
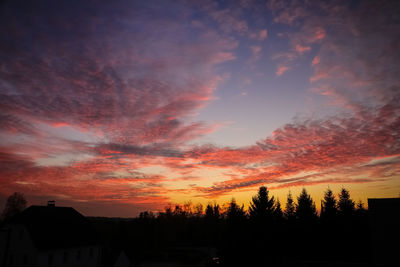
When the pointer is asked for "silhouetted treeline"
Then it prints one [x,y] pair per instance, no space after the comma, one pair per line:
[264,235]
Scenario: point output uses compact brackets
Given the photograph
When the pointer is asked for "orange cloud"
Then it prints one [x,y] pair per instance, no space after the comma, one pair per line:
[59,124]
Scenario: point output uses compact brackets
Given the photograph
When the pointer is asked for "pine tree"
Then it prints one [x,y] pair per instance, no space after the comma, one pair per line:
[209,213]
[278,214]
[235,213]
[212,212]
[360,210]
[217,210]
[262,206]
[329,206]
[305,209]
[345,204]
[290,209]
[360,206]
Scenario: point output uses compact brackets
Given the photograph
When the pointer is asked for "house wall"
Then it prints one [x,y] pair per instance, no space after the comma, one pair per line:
[122,261]
[3,244]
[72,257]
[384,219]
[20,249]
[21,252]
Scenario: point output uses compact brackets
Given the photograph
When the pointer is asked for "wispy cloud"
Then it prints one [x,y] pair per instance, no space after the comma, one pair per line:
[102,106]
[281,70]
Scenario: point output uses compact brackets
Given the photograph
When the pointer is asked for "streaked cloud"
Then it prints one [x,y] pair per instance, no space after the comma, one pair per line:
[103,105]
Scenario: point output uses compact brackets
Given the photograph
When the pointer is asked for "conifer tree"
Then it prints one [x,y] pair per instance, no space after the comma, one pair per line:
[345,203]
[235,213]
[305,209]
[209,211]
[329,206]
[212,211]
[360,206]
[262,206]
[360,210]
[278,214]
[290,208]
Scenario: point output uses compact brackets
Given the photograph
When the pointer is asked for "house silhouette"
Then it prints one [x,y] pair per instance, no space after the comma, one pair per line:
[384,221]
[49,236]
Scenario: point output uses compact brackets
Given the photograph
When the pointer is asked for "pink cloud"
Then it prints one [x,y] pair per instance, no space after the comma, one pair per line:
[256,53]
[131,106]
[59,124]
[255,49]
[319,35]
[301,49]
[222,57]
[319,76]
[281,70]
[262,35]
[316,61]
[228,20]
[366,146]
[287,11]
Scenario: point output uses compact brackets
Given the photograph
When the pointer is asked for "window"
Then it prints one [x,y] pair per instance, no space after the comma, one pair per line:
[65,258]
[50,259]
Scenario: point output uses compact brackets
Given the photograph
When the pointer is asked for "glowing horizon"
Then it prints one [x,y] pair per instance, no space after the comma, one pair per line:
[124,106]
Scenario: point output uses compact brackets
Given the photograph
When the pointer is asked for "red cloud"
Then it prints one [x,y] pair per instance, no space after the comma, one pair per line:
[129,101]
[337,146]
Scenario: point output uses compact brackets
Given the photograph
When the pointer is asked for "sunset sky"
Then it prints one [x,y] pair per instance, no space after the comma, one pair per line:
[116,107]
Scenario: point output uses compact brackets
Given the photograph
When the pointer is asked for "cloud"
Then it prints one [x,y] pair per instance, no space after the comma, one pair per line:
[301,49]
[316,61]
[255,49]
[345,148]
[130,88]
[256,53]
[92,180]
[319,34]
[281,70]
[148,150]
[287,11]
[262,35]
[348,57]
[229,20]
[103,78]
[100,107]
[12,124]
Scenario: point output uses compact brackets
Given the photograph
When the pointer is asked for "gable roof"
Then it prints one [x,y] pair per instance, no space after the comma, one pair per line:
[56,227]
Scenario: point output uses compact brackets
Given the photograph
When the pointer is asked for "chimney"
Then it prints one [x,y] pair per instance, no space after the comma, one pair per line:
[51,203]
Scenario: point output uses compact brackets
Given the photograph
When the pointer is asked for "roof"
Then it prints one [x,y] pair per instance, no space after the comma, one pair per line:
[56,227]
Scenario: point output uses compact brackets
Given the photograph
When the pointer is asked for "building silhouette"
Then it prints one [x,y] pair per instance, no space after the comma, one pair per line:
[384,221]
[43,236]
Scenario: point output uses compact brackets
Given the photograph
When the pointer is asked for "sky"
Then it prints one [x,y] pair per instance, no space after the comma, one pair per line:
[116,107]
